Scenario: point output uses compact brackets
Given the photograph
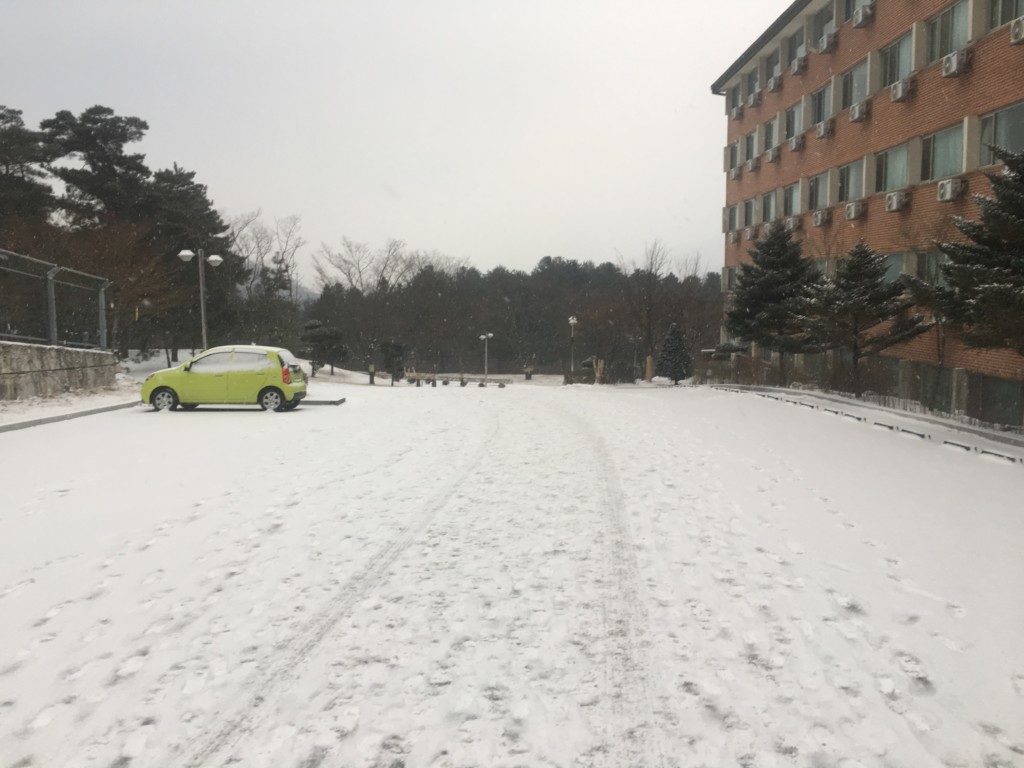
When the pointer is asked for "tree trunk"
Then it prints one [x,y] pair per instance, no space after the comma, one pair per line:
[782,369]
[858,388]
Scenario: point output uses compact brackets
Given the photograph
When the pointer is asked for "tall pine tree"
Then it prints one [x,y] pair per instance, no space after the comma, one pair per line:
[674,361]
[768,306]
[860,312]
[986,273]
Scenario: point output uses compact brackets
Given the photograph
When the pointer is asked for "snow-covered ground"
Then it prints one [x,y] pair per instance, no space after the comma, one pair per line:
[528,576]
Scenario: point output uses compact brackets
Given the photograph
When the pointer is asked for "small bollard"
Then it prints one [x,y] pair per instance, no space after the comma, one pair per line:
[445,382]
[417,381]
[433,382]
[462,382]
[501,385]
[482,384]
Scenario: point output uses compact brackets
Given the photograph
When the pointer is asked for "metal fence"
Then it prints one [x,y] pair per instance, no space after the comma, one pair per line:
[46,303]
[888,381]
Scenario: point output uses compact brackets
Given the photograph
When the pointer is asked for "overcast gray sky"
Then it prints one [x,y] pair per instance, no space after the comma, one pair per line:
[494,131]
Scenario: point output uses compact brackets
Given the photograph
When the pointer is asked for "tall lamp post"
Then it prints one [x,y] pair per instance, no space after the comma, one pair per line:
[214,261]
[485,337]
[572,344]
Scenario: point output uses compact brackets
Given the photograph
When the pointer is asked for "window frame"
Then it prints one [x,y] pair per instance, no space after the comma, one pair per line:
[928,154]
[817,191]
[797,50]
[843,192]
[882,170]
[886,59]
[992,119]
[819,105]
[791,202]
[769,197]
[934,32]
[848,84]
[797,113]
[997,16]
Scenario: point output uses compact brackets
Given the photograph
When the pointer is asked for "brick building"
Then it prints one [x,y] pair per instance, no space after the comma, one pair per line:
[871,119]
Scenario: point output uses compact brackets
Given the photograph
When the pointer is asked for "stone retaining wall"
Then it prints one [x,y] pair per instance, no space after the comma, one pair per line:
[36,370]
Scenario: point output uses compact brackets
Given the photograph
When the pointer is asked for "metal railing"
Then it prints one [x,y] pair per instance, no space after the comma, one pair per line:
[25,320]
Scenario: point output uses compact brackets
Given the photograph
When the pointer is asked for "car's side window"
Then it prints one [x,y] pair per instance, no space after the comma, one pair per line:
[249,361]
[218,362]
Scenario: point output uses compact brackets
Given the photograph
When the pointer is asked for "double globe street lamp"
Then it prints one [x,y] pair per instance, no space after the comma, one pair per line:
[485,337]
[214,261]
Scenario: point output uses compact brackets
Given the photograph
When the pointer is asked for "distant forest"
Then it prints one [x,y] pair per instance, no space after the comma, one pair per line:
[73,192]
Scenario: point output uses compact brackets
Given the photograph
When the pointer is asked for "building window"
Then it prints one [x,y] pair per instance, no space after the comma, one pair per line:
[795,47]
[943,154]
[1003,129]
[891,169]
[850,6]
[734,155]
[768,207]
[1004,11]
[733,218]
[753,84]
[748,213]
[855,85]
[750,145]
[851,181]
[929,268]
[734,97]
[773,63]
[947,32]
[822,22]
[896,61]
[730,278]
[817,192]
[769,133]
[894,266]
[794,124]
[791,200]
[821,104]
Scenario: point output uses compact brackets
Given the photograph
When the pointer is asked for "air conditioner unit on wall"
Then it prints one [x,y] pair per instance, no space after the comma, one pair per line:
[799,65]
[734,236]
[863,15]
[736,113]
[771,155]
[896,201]
[859,112]
[827,43]
[793,223]
[775,83]
[825,128]
[955,64]
[950,189]
[822,217]
[902,90]
[855,210]
[754,99]
[1017,31]
[750,233]
[753,164]
[735,173]
[796,143]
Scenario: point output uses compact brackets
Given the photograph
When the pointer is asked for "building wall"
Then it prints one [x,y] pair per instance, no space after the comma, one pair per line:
[994,80]
[36,370]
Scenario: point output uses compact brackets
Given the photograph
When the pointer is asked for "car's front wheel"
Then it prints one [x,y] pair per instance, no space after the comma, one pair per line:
[164,399]
[271,399]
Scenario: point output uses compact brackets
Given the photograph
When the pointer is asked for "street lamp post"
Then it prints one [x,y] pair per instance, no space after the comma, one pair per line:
[485,337]
[215,261]
[572,344]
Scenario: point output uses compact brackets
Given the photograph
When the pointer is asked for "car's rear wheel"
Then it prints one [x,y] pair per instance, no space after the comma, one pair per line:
[164,399]
[290,406]
[271,399]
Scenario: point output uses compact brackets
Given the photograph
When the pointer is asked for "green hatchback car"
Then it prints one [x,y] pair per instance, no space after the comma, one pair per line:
[269,377]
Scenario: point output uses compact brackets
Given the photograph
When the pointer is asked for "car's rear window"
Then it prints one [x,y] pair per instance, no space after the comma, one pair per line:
[287,358]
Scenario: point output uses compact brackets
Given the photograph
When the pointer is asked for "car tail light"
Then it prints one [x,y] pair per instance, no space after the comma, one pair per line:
[286,375]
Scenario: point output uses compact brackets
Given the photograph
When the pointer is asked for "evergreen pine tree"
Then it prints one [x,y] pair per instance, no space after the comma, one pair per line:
[859,311]
[986,274]
[674,360]
[768,303]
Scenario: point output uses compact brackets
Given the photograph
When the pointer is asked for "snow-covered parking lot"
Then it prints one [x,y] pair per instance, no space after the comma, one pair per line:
[532,576]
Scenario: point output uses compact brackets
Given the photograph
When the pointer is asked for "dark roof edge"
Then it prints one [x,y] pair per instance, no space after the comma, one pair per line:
[777,26]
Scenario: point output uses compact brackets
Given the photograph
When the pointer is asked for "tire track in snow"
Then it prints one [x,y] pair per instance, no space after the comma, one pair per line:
[248,718]
[631,734]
